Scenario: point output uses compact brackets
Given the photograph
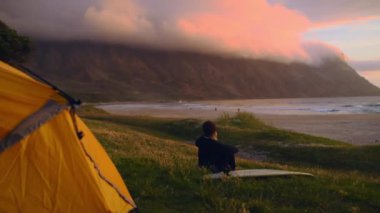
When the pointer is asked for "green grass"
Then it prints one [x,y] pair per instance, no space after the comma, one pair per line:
[161,173]
[252,135]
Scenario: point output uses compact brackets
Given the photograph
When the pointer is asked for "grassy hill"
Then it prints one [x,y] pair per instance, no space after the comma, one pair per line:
[159,166]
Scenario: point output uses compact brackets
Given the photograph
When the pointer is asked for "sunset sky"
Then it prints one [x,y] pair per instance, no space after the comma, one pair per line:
[287,30]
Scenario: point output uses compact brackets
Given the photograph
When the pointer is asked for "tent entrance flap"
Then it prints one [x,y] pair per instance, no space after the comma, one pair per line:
[31,123]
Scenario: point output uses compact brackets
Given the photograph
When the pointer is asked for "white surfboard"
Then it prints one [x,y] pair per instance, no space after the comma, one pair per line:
[255,173]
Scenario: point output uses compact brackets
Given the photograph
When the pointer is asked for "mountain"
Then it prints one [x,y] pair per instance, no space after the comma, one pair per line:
[106,72]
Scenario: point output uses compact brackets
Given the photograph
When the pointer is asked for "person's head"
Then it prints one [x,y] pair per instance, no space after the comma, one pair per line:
[209,129]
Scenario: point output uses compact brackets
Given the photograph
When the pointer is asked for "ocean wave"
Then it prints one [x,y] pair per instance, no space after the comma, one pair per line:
[373,105]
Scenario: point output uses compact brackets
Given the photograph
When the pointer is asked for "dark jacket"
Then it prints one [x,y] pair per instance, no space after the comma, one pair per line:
[211,152]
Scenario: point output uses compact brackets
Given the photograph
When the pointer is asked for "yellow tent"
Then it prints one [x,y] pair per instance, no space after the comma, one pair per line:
[49,160]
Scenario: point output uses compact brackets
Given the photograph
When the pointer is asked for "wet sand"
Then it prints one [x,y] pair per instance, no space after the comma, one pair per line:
[358,129]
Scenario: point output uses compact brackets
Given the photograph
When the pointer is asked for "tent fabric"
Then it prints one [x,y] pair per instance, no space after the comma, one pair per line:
[50,109]
[20,96]
[51,169]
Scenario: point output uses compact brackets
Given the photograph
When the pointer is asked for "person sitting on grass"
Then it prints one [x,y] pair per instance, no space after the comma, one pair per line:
[212,154]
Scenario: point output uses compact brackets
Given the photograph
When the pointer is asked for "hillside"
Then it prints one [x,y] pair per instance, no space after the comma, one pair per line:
[160,169]
[108,72]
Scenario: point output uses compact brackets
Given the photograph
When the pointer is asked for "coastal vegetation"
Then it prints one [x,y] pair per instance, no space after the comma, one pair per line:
[12,45]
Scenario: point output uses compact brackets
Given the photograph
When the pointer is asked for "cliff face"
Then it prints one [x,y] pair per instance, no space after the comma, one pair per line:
[101,72]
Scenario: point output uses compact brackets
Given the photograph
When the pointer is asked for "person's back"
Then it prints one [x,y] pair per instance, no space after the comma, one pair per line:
[206,156]
[213,154]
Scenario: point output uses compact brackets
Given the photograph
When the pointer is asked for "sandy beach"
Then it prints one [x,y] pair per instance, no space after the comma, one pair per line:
[358,129]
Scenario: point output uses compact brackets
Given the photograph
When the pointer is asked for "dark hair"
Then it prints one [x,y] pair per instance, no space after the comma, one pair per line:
[208,128]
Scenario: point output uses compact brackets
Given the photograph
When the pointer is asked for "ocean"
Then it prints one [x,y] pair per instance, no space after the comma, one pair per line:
[296,106]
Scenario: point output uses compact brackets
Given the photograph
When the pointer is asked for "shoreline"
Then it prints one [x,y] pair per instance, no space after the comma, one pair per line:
[356,129]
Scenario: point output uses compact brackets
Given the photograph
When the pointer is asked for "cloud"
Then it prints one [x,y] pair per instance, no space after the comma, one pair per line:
[252,28]
[344,22]
[46,18]
[318,51]
[248,28]
[118,20]
[148,23]
[334,10]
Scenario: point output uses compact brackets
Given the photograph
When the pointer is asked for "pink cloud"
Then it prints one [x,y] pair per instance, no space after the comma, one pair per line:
[246,28]
[343,21]
[251,28]
[254,28]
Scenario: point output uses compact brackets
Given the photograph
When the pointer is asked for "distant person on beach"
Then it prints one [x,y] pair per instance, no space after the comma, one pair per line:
[212,154]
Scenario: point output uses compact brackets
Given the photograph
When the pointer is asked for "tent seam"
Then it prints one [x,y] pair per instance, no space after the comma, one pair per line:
[105,179]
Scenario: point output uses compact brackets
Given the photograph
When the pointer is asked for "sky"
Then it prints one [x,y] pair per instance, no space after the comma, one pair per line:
[285,30]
